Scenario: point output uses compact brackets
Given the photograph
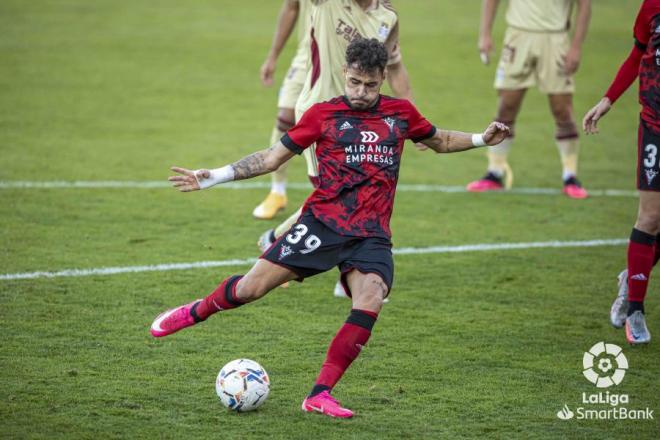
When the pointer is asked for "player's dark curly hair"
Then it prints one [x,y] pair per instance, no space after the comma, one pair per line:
[367,54]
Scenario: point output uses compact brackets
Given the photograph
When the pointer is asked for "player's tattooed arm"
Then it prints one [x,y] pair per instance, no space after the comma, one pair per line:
[255,164]
[261,162]
[448,141]
[250,166]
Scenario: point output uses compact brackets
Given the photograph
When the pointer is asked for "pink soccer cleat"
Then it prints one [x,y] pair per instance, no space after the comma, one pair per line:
[174,320]
[573,189]
[490,182]
[324,403]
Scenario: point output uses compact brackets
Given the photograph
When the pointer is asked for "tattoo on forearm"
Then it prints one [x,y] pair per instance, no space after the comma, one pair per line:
[250,166]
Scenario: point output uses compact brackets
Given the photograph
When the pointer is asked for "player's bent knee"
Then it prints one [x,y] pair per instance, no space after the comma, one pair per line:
[648,222]
[371,293]
[369,300]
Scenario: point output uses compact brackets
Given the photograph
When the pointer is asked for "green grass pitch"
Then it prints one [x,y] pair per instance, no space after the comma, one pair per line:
[473,344]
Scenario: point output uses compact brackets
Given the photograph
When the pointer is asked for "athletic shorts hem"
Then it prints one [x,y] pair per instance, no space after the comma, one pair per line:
[293,269]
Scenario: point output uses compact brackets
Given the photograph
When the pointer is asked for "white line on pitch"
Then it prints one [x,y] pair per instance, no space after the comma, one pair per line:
[400,251]
[126,184]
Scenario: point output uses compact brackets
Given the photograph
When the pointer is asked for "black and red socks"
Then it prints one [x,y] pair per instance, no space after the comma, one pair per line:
[641,259]
[222,298]
[345,348]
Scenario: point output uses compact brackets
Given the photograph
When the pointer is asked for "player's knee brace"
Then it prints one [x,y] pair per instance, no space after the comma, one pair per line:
[566,130]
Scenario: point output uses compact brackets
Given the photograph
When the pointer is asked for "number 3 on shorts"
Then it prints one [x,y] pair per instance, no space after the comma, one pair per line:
[298,232]
[652,150]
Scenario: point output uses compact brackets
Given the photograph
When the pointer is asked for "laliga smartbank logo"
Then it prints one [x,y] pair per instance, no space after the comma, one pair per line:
[604,365]
[610,362]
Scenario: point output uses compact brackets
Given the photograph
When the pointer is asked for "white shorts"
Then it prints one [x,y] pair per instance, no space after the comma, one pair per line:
[292,85]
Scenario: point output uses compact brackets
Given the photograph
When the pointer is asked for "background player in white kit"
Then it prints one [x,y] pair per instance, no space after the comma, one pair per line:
[292,12]
[537,51]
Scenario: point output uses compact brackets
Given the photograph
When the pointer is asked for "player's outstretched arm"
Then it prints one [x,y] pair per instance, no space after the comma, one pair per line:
[256,164]
[446,141]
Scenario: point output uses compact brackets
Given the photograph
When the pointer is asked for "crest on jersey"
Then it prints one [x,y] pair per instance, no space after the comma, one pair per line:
[390,122]
[383,30]
[650,175]
[285,251]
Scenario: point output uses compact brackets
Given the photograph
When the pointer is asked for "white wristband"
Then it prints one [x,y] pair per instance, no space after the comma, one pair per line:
[478,140]
[218,175]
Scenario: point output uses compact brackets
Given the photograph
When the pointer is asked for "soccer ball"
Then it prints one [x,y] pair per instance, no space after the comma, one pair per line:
[242,385]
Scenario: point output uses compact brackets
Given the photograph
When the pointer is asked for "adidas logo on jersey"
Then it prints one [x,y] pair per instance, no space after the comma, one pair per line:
[345,126]
[639,277]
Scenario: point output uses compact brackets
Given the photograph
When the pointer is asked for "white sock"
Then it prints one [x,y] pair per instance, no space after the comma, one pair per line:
[278,188]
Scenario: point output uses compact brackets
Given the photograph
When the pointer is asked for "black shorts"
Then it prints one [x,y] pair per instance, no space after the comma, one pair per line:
[648,158]
[310,248]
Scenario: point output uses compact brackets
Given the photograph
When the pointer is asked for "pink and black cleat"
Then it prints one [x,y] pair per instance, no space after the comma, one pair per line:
[324,403]
[573,189]
[174,320]
[490,182]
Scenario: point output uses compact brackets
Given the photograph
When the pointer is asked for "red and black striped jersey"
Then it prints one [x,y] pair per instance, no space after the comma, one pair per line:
[358,154]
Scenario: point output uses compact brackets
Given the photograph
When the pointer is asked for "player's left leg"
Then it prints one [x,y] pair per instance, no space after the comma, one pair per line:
[642,251]
[232,292]
[566,136]
[368,291]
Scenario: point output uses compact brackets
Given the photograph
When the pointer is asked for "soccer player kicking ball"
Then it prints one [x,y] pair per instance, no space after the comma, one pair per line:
[345,222]
[644,246]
